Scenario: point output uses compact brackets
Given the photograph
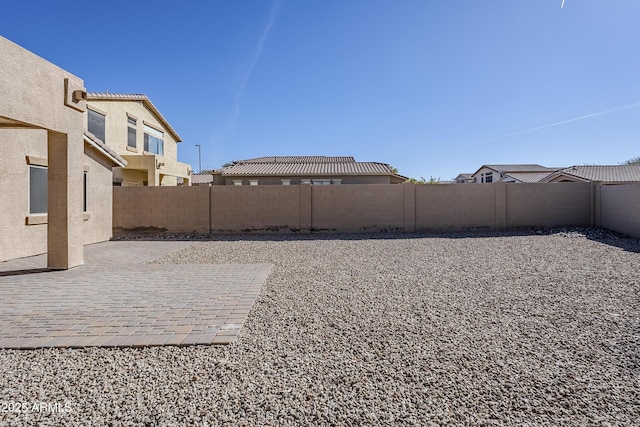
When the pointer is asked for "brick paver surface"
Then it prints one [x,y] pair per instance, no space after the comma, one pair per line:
[118,299]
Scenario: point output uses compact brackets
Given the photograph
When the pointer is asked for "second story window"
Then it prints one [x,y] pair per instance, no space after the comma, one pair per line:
[131,132]
[96,124]
[38,187]
[153,140]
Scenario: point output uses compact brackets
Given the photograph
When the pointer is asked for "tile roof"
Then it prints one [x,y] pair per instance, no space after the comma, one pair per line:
[105,96]
[308,169]
[518,168]
[604,173]
[527,176]
[300,159]
[201,178]
[105,149]
[305,166]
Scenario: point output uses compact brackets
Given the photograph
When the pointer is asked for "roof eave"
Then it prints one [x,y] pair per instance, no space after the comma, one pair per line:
[118,161]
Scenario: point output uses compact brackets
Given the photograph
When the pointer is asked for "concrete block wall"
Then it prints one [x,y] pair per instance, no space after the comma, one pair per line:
[181,209]
[366,207]
[620,208]
[245,208]
[553,205]
[442,207]
[355,208]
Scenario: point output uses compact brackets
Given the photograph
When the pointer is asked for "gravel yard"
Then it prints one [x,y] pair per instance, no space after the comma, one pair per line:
[495,329]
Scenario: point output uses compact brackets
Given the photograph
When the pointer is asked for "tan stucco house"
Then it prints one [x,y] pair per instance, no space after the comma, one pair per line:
[134,128]
[55,177]
[314,170]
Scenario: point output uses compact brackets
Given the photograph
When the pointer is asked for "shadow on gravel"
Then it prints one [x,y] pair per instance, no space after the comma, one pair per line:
[626,243]
[596,234]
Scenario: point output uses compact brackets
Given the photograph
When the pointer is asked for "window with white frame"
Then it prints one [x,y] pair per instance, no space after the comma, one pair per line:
[96,124]
[488,177]
[131,132]
[153,140]
[38,189]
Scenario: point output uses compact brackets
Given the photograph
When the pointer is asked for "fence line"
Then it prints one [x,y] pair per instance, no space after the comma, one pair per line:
[377,207]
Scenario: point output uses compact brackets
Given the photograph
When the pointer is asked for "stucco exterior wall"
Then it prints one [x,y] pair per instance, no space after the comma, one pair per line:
[116,127]
[97,221]
[37,94]
[478,175]
[16,238]
[22,234]
[141,166]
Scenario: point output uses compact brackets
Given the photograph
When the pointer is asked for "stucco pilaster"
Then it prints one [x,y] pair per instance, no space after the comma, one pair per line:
[64,232]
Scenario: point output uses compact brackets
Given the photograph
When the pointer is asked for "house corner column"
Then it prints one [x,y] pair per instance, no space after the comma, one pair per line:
[65,243]
[153,177]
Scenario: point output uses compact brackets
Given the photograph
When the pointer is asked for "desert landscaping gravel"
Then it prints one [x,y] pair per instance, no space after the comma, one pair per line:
[462,329]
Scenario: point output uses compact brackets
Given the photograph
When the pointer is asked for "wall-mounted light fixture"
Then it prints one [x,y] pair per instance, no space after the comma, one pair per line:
[79,95]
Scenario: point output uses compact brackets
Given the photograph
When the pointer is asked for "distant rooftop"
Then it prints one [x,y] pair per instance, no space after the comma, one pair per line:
[604,173]
[305,166]
[300,159]
[518,168]
[528,176]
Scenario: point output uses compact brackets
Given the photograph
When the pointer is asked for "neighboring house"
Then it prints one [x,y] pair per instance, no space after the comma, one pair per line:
[314,170]
[134,128]
[55,178]
[463,178]
[607,174]
[511,173]
[201,179]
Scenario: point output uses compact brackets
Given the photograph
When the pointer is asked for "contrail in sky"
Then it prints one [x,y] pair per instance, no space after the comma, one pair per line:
[562,5]
[265,34]
[601,113]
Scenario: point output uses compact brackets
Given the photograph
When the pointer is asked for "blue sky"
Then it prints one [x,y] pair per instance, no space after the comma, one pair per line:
[432,87]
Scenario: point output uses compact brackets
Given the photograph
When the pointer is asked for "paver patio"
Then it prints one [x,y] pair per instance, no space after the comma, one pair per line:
[118,299]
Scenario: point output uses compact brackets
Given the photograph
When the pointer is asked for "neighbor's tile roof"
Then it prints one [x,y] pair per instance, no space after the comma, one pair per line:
[528,176]
[604,173]
[305,166]
[100,96]
[518,168]
[201,178]
[285,169]
[300,159]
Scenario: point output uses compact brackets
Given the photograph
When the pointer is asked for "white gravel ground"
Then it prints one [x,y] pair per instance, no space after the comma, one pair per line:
[379,330]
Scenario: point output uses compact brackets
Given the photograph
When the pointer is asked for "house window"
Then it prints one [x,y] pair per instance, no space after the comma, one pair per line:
[96,125]
[153,141]
[84,192]
[38,189]
[131,132]
[488,177]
